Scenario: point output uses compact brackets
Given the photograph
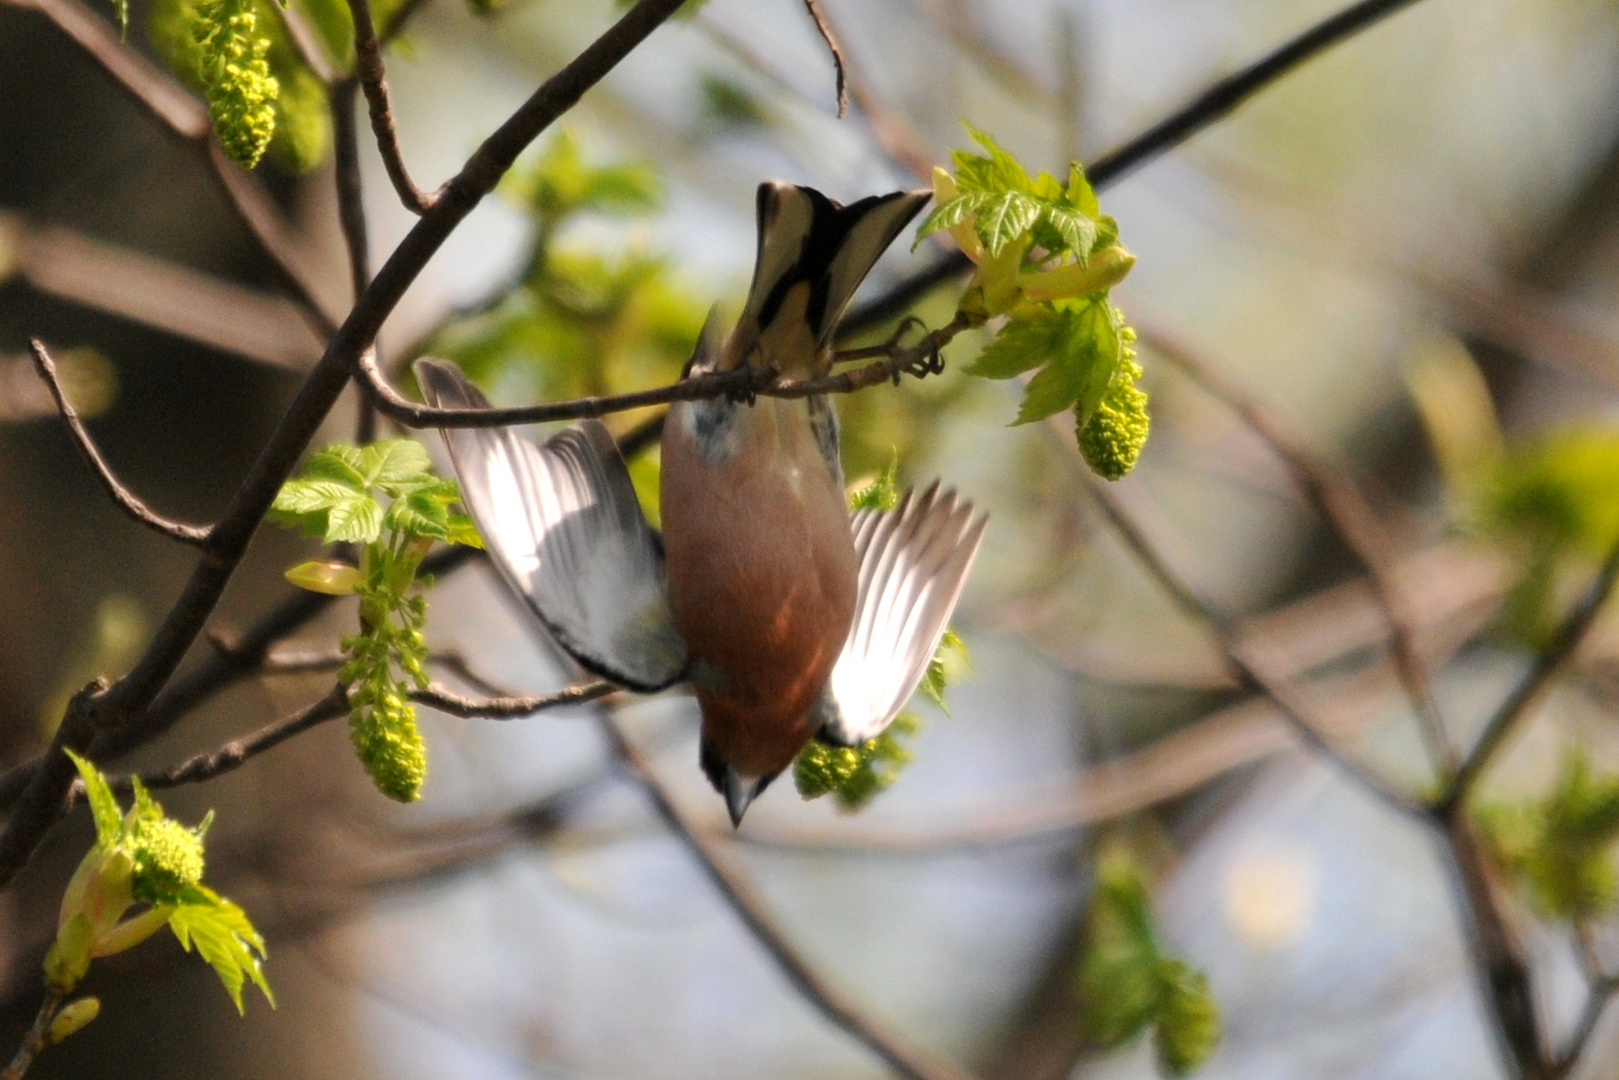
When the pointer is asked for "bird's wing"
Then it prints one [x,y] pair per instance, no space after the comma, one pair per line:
[913,563]
[562,524]
[806,237]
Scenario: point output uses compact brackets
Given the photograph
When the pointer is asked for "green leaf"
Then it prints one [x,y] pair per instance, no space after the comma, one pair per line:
[1024,343]
[882,493]
[1077,231]
[1005,217]
[399,462]
[420,514]
[1005,173]
[463,531]
[1119,965]
[104,809]
[935,679]
[949,214]
[328,578]
[1081,196]
[224,937]
[348,466]
[356,519]
[1188,1019]
[1053,389]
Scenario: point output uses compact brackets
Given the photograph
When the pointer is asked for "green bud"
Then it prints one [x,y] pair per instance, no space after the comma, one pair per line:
[72,1017]
[131,932]
[69,955]
[100,890]
[1112,437]
[168,859]
[1188,1019]
[330,578]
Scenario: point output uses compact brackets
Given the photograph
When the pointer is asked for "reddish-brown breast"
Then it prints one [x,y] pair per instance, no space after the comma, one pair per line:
[762,578]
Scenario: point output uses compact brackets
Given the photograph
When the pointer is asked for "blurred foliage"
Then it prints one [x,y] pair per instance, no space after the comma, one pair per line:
[1127,983]
[1047,257]
[112,644]
[579,321]
[335,497]
[1561,847]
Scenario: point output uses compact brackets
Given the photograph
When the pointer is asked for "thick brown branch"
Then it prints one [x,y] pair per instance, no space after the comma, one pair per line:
[368,68]
[819,18]
[917,360]
[1336,498]
[127,500]
[731,879]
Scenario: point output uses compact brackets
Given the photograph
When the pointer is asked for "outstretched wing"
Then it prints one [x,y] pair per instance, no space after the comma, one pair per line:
[913,563]
[562,524]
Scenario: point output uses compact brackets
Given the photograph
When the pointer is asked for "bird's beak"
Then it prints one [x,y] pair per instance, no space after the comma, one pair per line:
[740,791]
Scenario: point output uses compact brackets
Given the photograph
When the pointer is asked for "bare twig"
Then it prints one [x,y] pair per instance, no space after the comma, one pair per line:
[351,219]
[815,14]
[368,68]
[236,753]
[1602,991]
[38,1036]
[1570,634]
[510,707]
[1247,675]
[1338,500]
[731,879]
[127,500]
[917,360]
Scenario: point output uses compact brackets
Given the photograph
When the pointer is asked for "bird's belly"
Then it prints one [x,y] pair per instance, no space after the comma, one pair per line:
[762,577]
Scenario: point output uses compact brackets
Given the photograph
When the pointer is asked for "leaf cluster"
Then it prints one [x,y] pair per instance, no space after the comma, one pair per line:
[143,856]
[1129,984]
[855,775]
[338,497]
[1561,847]
[1047,258]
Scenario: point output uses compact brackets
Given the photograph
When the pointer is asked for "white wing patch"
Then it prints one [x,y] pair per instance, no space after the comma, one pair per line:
[914,561]
[562,524]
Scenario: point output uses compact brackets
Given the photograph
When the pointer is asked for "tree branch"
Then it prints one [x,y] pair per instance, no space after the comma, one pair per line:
[351,220]
[1336,498]
[368,68]
[38,1036]
[1208,107]
[127,500]
[728,876]
[1570,635]
[121,706]
[917,360]
[509,707]
[1247,675]
[815,14]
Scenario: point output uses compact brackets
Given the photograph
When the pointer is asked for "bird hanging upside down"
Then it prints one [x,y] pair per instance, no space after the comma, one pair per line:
[791,620]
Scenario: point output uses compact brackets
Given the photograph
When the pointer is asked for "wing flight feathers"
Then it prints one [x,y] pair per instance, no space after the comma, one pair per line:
[562,524]
[914,561]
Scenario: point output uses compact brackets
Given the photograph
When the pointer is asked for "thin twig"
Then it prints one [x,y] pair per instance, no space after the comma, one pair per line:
[815,14]
[351,220]
[917,360]
[236,753]
[512,707]
[1601,992]
[38,1036]
[120,707]
[368,68]
[1337,499]
[1248,676]
[1562,649]
[127,500]
[1203,110]
[728,875]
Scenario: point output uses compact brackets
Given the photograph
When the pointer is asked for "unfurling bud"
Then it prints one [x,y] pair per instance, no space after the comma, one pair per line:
[74,1016]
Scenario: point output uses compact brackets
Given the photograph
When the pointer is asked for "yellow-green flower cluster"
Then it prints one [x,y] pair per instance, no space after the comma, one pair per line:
[1111,438]
[168,858]
[241,91]
[855,775]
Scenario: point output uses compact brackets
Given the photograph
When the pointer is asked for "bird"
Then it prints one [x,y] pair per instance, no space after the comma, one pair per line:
[790,618]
